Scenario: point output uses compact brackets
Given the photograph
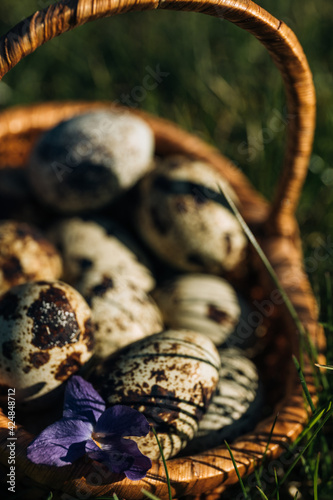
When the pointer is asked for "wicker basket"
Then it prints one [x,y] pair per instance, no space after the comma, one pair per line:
[274,225]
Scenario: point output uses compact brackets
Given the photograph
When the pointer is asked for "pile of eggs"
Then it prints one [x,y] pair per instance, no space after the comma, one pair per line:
[127,284]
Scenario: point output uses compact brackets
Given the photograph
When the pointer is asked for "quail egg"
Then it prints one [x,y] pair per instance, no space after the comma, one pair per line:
[200,302]
[86,162]
[170,377]
[25,255]
[102,247]
[185,220]
[121,312]
[207,304]
[46,336]
[235,406]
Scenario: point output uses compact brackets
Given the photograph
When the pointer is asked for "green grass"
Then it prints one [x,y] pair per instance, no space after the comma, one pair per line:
[222,85]
[240,480]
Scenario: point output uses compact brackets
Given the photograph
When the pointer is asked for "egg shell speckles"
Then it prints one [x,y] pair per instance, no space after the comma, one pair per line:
[200,302]
[234,408]
[25,255]
[121,312]
[46,336]
[88,246]
[86,162]
[184,218]
[170,377]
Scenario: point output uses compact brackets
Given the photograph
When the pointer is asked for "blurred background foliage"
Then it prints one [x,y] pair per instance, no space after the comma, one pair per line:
[221,84]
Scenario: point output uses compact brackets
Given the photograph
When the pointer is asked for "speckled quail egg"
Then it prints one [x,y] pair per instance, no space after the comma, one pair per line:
[235,406]
[25,255]
[186,221]
[102,247]
[46,336]
[87,161]
[200,302]
[207,304]
[121,312]
[170,377]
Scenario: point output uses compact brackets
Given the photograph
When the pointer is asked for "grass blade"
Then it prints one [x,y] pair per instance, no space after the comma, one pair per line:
[296,495]
[315,418]
[328,326]
[262,494]
[164,463]
[149,495]
[277,485]
[304,385]
[328,367]
[261,468]
[266,263]
[246,497]
[257,475]
[315,479]
[313,437]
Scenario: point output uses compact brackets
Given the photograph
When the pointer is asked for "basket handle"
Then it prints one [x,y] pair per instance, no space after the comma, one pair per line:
[278,39]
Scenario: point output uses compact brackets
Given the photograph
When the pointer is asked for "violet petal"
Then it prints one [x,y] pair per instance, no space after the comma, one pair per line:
[82,401]
[141,465]
[117,461]
[61,443]
[120,455]
[122,421]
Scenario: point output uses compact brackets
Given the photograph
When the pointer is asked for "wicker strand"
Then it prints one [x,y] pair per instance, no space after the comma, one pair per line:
[279,40]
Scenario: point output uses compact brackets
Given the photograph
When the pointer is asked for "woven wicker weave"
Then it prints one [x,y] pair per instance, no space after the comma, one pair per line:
[274,224]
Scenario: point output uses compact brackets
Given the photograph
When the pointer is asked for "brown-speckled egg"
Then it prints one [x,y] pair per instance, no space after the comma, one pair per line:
[101,247]
[170,377]
[87,161]
[186,220]
[46,336]
[235,406]
[122,312]
[207,304]
[25,255]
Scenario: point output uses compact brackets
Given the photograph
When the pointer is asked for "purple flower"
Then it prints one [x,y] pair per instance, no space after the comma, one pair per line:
[88,428]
